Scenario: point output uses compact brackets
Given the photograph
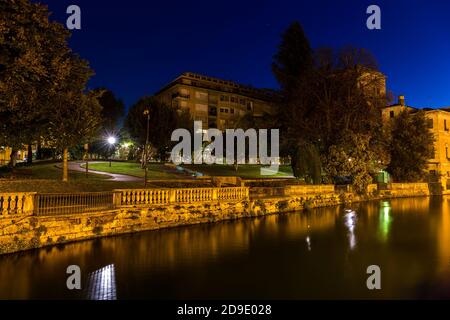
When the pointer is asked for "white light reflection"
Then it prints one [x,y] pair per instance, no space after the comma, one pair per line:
[350,222]
[102,284]
[308,242]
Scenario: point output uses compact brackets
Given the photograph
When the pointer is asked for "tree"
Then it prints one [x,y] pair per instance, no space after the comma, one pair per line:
[306,162]
[412,144]
[293,67]
[42,82]
[326,95]
[31,48]
[353,157]
[163,121]
[113,110]
[75,121]
[293,60]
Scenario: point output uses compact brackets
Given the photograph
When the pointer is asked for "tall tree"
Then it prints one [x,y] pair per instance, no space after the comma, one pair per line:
[293,66]
[113,110]
[334,94]
[42,81]
[411,146]
[31,48]
[293,60]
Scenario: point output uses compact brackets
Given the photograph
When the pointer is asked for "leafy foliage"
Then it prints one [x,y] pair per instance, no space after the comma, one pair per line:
[327,95]
[163,121]
[353,157]
[42,81]
[411,146]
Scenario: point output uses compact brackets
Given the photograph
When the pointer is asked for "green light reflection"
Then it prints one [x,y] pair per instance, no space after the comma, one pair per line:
[385,219]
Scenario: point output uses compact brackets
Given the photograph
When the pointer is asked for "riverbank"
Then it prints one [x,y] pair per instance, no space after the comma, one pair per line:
[28,231]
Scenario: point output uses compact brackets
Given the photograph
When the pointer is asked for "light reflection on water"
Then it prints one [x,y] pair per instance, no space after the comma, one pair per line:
[350,222]
[319,254]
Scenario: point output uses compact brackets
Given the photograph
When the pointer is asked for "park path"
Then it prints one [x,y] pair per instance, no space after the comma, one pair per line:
[76,166]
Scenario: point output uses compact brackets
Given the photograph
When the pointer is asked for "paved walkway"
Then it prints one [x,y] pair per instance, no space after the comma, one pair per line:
[76,166]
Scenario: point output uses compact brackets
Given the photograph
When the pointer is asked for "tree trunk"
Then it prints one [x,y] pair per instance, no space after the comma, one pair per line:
[29,155]
[39,150]
[65,165]
[13,158]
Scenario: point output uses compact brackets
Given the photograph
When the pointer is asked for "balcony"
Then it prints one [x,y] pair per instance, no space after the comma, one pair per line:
[212,111]
[180,95]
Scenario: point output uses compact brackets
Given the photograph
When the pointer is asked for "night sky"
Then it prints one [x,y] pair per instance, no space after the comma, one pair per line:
[135,47]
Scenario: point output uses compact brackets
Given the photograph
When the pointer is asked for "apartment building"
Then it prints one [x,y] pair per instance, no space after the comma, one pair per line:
[216,102]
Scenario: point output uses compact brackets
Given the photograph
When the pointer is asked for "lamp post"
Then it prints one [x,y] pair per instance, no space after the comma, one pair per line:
[111,141]
[146,113]
[86,155]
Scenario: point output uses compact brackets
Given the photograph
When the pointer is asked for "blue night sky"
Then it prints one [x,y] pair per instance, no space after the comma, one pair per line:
[135,47]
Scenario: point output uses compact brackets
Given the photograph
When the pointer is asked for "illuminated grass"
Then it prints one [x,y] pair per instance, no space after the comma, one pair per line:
[155,171]
[47,178]
[243,171]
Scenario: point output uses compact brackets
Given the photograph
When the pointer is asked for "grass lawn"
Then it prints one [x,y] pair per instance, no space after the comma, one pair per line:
[160,171]
[155,171]
[47,178]
[244,171]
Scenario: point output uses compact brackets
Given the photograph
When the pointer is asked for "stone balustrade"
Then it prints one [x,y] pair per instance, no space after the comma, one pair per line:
[18,203]
[142,196]
[309,189]
[131,197]
[408,186]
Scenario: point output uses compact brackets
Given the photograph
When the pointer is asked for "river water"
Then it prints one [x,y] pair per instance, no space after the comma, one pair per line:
[323,253]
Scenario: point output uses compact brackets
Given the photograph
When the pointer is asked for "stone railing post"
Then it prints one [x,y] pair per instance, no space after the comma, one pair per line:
[17,203]
[28,206]
[172,195]
[117,198]
[215,194]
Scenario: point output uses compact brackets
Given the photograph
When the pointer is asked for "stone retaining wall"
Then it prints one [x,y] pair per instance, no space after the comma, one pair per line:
[19,233]
[23,232]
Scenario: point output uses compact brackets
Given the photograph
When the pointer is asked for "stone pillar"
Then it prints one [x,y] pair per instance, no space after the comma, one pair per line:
[28,206]
[172,196]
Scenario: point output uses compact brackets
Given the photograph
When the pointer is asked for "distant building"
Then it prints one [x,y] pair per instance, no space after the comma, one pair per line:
[439,124]
[217,103]
[5,155]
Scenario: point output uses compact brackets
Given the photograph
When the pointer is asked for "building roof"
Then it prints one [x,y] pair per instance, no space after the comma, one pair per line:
[207,82]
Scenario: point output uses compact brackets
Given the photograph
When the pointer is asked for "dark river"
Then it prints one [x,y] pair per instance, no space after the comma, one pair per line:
[319,254]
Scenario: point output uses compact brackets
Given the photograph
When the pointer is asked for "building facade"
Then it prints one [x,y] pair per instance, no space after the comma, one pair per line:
[217,103]
[5,155]
[439,124]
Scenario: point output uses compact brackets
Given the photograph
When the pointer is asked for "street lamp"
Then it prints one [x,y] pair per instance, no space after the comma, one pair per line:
[111,141]
[146,113]
[86,156]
